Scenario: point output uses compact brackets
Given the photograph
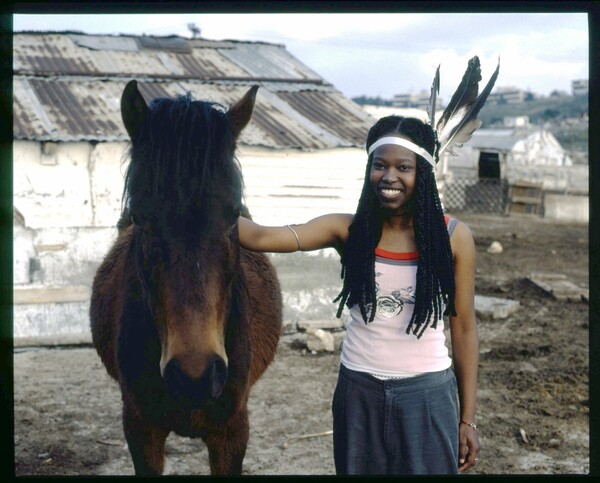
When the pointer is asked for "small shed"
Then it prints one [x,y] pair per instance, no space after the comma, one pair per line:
[483,172]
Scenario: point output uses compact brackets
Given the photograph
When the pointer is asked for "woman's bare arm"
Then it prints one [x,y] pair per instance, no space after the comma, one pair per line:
[327,231]
[465,342]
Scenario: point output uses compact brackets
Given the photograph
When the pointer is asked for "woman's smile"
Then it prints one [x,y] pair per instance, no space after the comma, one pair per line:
[390,194]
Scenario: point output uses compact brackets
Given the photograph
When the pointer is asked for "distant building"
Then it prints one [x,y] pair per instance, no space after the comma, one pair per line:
[580,87]
[483,173]
[417,101]
[516,121]
[507,95]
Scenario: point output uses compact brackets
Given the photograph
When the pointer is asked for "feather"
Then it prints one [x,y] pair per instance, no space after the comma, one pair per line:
[459,120]
[435,90]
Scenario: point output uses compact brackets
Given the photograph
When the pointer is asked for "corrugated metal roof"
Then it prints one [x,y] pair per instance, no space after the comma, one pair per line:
[69,53]
[270,61]
[68,86]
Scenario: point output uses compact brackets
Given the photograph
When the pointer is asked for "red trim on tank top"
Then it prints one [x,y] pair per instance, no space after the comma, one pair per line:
[402,255]
[396,255]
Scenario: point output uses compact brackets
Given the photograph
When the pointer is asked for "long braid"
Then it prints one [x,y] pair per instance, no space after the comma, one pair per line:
[435,281]
[435,274]
[358,258]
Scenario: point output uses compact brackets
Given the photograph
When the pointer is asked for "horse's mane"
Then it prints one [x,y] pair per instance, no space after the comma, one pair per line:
[181,159]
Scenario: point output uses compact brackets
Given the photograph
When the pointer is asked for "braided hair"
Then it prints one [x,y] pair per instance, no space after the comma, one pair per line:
[435,271]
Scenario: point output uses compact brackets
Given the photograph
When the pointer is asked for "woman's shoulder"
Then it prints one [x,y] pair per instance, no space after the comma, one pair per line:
[460,233]
[453,221]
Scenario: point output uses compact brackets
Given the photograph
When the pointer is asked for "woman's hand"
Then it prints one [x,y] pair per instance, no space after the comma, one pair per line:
[468,447]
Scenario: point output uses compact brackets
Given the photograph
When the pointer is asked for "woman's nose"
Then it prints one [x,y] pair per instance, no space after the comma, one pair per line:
[390,174]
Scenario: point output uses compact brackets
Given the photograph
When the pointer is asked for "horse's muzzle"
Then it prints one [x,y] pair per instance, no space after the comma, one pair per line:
[196,393]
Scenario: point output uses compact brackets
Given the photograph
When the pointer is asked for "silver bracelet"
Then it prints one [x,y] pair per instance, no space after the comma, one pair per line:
[296,235]
[473,425]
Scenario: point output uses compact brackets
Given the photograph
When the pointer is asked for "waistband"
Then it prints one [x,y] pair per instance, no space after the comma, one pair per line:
[421,381]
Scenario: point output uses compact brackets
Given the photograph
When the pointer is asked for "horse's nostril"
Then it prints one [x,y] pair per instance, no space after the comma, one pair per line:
[195,392]
[218,376]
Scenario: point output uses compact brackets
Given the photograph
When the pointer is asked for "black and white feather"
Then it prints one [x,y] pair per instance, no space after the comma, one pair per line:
[435,90]
[459,120]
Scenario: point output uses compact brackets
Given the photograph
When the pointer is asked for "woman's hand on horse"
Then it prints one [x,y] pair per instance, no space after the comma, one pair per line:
[322,232]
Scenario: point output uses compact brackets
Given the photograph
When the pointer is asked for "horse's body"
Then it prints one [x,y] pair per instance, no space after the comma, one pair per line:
[183,318]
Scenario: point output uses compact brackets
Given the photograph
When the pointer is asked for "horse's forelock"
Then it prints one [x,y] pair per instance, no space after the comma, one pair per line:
[184,151]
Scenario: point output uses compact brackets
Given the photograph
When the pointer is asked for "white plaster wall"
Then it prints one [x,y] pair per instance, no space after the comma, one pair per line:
[553,178]
[52,189]
[23,253]
[565,208]
[72,256]
[51,320]
[285,187]
[70,199]
[107,175]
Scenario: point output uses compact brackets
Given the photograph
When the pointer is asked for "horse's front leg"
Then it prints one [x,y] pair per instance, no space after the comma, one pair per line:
[146,442]
[227,444]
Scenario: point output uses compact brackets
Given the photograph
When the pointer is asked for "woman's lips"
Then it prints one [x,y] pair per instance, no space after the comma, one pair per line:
[390,193]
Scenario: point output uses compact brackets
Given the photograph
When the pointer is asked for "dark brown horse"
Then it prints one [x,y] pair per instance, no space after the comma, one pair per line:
[183,318]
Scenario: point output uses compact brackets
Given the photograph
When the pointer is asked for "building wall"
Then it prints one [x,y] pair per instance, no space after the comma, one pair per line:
[538,158]
[68,196]
[568,209]
[580,87]
[293,187]
[539,149]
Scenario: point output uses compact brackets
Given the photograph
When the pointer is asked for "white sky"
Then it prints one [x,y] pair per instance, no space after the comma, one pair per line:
[382,54]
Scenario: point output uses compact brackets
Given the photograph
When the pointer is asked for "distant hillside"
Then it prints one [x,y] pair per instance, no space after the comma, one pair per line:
[549,109]
[539,110]
[372,101]
[565,116]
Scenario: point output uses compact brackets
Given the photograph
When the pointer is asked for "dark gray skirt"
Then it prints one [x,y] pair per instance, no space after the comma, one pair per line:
[395,427]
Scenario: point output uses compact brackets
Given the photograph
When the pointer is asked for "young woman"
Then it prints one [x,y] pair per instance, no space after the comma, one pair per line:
[404,265]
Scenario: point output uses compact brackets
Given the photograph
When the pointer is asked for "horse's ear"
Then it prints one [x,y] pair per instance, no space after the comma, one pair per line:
[133,109]
[241,112]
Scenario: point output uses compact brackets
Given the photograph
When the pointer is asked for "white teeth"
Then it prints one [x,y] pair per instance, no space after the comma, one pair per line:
[390,192]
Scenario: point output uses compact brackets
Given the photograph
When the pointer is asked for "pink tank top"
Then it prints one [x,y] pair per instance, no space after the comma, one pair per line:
[383,347]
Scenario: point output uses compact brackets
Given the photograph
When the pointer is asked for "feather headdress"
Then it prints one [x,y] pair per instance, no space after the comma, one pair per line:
[459,119]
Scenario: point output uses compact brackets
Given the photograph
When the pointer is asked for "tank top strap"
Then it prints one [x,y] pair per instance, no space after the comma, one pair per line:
[450,224]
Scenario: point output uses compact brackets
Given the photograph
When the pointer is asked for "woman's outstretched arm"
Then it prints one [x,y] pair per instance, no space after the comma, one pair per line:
[327,231]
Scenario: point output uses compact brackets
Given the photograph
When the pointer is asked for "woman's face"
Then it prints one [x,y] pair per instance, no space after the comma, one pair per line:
[393,176]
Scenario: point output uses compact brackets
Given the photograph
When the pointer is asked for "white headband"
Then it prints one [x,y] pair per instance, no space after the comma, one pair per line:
[405,143]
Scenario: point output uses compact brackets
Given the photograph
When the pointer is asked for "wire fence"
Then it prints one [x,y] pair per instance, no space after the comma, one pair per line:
[477,196]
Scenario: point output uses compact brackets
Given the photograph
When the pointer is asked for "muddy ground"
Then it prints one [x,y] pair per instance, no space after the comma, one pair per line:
[533,405]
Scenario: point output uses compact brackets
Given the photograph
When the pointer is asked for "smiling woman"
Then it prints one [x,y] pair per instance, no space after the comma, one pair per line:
[404,266]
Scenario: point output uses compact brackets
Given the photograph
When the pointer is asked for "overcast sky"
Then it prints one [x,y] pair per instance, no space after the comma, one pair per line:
[382,54]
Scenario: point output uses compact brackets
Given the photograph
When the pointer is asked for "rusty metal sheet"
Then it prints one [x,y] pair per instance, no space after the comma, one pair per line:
[269,61]
[68,87]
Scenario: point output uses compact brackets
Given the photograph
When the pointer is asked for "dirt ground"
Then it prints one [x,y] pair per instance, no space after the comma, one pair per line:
[533,400]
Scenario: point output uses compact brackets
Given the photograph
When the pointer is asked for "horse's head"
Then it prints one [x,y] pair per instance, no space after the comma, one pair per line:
[184,190]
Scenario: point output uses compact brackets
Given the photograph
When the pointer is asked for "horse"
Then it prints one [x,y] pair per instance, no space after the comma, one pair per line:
[182,317]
